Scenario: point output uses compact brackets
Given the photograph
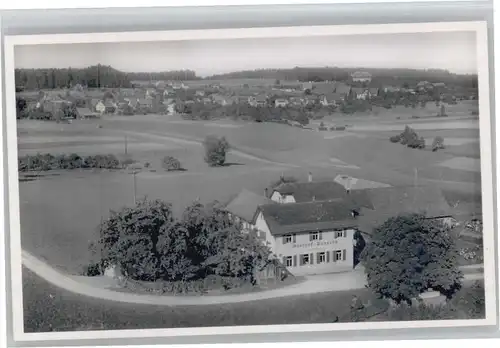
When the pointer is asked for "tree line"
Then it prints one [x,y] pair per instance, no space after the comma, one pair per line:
[380,76]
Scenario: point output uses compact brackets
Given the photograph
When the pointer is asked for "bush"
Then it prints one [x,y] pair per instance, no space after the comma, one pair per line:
[322,127]
[395,139]
[93,270]
[438,143]
[170,163]
[46,162]
[432,251]
[215,150]
[148,244]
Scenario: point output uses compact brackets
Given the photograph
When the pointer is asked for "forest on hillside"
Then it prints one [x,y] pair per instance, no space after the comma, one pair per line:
[379,76]
[105,76]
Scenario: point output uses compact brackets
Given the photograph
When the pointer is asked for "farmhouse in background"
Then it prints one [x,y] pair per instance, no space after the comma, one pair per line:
[361,76]
[314,227]
[393,201]
[86,113]
[244,206]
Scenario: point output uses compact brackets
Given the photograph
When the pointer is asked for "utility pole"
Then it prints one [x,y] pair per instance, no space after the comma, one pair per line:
[135,187]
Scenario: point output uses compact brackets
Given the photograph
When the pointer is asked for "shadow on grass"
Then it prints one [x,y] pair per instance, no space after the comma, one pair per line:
[230,164]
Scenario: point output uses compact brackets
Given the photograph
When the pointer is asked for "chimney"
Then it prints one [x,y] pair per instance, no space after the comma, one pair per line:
[310,177]
[265,192]
[313,198]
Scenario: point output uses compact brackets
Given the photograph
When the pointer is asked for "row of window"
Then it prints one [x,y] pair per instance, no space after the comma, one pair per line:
[309,259]
[313,236]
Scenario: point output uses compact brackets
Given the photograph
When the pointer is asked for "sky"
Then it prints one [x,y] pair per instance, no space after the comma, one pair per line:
[454,51]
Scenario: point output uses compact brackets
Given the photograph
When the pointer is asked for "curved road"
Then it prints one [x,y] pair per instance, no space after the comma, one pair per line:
[99,287]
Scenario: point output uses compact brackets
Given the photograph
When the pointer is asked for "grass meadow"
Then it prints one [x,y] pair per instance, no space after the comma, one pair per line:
[60,213]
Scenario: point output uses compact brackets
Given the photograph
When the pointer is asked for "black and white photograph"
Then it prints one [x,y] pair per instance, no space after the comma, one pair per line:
[250,180]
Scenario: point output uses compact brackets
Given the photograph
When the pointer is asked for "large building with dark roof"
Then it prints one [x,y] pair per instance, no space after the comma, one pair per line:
[313,227]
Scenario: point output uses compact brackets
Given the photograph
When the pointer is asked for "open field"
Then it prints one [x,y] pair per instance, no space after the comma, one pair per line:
[47,308]
[59,233]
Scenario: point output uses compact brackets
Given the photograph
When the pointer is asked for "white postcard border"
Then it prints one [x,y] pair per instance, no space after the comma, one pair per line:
[219,34]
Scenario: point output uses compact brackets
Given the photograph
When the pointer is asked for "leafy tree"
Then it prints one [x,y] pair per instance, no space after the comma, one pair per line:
[129,238]
[215,150]
[21,107]
[170,163]
[409,254]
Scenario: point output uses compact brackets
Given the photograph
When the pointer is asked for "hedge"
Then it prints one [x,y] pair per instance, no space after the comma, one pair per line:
[46,162]
[192,287]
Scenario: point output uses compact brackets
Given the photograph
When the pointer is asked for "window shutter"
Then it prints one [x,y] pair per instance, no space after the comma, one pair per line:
[311,261]
[327,256]
[294,260]
[334,255]
[310,236]
[283,239]
[320,235]
[343,254]
[284,261]
[317,257]
[294,238]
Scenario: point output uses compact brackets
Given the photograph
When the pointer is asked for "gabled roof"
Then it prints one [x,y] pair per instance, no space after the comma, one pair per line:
[323,88]
[358,90]
[342,88]
[261,98]
[323,191]
[307,217]
[394,201]
[246,204]
[85,112]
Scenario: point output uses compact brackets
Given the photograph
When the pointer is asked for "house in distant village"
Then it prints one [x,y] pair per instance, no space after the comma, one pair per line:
[281,102]
[343,89]
[361,76]
[307,86]
[323,88]
[373,92]
[332,99]
[86,113]
[109,107]
[360,93]
[200,93]
[219,99]
[258,100]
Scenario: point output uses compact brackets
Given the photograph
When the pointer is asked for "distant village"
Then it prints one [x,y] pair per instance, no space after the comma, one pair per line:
[185,97]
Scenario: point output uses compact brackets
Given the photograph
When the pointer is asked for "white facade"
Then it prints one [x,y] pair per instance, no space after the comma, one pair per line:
[316,252]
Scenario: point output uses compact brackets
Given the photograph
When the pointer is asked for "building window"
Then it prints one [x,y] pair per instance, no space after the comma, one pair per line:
[304,259]
[287,238]
[337,255]
[339,234]
[288,261]
[321,257]
[314,236]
